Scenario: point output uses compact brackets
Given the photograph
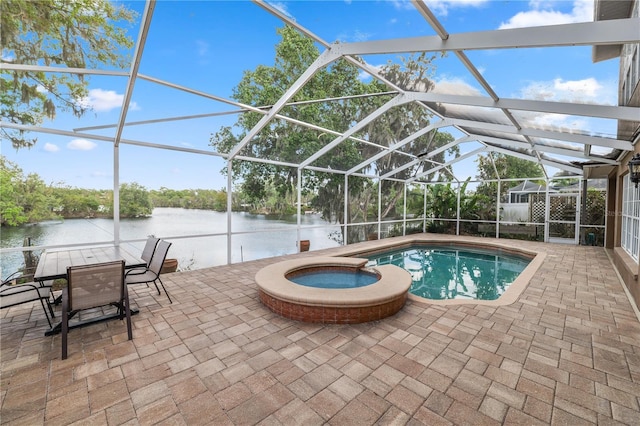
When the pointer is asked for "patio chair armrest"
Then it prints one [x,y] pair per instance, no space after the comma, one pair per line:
[136,271]
[43,291]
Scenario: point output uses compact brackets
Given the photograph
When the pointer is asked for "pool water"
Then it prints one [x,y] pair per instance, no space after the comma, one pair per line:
[334,279]
[449,272]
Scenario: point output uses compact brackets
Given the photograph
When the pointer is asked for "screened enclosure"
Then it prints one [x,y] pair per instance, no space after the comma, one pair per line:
[356,140]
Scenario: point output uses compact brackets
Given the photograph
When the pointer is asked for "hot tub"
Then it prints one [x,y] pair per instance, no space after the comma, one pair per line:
[380,299]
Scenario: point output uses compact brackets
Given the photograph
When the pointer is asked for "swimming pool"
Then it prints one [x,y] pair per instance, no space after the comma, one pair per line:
[445,272]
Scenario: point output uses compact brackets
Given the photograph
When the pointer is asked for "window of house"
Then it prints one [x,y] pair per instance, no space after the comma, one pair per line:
[631,219]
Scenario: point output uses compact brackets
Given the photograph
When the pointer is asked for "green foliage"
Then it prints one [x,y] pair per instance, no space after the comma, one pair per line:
[289,143]
[73,34]
[23,198]
[596,207]
[134,200]
[204,199]
[27,199]
[508,167]
[11,212]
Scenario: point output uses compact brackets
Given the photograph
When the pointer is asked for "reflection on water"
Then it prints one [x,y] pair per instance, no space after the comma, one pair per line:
[455,273]
[192,253]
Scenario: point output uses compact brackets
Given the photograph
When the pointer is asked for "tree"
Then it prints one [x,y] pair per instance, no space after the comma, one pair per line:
[290,143]
[134,200]
[24,199]
[11,212]
[73,34]
[508,167]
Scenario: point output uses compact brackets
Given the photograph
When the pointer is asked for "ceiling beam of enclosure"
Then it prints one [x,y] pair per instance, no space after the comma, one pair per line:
[581,34]
[135,65]
[619,31]
[545,134]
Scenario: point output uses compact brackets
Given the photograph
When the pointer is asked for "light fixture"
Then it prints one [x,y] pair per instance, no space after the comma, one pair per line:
[634,169]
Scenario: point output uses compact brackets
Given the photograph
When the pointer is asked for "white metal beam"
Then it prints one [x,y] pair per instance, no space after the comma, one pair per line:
[323,60]
[109,139]
[398,100]
[401,168]
[566,108]
[421,132]
[546,134]
[619,31]
[448,146]
[447,164]
[579,154]
[44,68]
[135,65]
[576,153]
[557,165]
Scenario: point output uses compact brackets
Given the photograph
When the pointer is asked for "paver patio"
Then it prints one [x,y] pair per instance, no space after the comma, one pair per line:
[566,352]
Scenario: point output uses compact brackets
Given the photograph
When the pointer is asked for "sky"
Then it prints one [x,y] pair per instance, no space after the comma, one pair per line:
[207,45]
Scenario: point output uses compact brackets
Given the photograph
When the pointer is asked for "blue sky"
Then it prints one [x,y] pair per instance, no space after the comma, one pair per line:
[206,46]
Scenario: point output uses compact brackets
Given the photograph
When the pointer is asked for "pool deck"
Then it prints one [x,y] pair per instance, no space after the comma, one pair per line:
[566,352]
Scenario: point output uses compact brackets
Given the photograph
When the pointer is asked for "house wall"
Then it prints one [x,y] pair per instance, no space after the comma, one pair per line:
[628,94]
[628,268]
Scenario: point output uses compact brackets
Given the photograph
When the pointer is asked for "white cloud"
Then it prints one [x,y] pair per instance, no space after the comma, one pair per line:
[81,145]
[105,100]
[354,36]
[403,4]
[49,147]
[543,13]
[557,121]
[454,86]
[102,100]
[585,91]
[588,90]
[282,8]
[441,7]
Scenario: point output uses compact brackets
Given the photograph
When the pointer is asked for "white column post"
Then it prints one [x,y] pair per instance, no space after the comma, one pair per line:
[116,195]
[346,210]
[299,196]
[458,212]
[498,208]
[229,208]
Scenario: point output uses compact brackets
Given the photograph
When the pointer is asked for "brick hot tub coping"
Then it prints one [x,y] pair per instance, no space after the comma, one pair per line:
[381,299]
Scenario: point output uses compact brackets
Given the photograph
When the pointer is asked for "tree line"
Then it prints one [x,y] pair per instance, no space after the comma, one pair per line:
[28,199]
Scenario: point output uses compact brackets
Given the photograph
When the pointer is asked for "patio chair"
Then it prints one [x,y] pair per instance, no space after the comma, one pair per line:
[13,293]
[147,254]
[152,272]
[93,286]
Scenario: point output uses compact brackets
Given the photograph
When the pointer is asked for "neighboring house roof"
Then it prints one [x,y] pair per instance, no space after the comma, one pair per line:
[527,186]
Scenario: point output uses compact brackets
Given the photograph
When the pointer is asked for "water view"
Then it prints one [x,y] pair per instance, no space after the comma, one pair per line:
[260,236]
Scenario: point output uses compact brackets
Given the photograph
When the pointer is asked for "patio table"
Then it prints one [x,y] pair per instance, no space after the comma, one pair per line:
[53,265]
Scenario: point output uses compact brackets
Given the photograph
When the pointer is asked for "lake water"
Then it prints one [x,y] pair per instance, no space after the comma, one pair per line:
[276,236]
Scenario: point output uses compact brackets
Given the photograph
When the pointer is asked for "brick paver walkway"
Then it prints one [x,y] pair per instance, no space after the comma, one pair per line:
[567,352]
